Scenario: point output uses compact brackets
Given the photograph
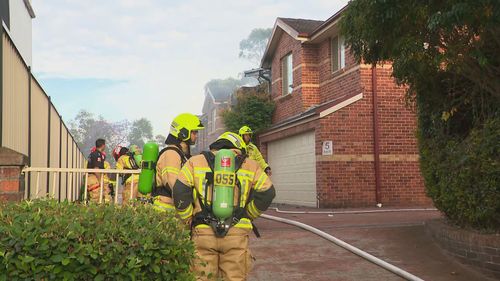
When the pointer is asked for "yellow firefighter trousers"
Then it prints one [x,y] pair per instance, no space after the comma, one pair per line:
[126,192]
[94,190]
[228,258]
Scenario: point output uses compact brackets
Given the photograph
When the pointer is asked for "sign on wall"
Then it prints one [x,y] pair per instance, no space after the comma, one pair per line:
[327,148]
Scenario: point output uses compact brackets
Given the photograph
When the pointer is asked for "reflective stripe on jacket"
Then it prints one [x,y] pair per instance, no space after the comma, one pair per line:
[254,154]
[192,182]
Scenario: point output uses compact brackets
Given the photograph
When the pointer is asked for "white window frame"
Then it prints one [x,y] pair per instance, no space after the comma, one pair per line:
[337,45]
[287,74]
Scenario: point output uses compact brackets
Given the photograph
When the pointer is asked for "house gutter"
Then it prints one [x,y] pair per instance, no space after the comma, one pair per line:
[376,136]
[31,12]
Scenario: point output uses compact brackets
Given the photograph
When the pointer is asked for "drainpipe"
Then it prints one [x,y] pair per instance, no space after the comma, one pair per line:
[376,140]
[261,75]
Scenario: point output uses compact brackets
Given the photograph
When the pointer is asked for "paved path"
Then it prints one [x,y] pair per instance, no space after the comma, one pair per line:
[288,253]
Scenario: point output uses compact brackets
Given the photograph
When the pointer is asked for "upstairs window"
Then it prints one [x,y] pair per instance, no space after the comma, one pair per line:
[338,53]
[287,74]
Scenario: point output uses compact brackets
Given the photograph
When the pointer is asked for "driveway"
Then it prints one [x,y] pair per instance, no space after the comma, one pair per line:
[286,252]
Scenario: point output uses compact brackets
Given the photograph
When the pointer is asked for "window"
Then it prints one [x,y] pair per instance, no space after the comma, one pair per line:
[214,120]
[338,53]
[287,74]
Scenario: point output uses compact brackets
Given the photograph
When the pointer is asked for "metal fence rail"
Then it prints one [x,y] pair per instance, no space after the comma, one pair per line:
[74,181]
[31,125]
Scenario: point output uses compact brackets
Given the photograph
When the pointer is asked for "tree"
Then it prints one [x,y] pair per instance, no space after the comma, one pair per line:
[253,47]
[86,129]
[253,108]
[141,131]
[160,140]
[226,86]
[446,52]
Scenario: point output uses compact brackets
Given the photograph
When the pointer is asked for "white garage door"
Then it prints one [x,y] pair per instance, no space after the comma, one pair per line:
[293,163]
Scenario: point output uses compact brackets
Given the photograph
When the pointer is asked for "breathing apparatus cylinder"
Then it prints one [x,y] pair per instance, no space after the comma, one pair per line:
[148,167]
[224,183]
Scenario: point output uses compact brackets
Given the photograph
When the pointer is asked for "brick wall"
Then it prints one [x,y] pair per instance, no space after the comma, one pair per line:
[347,178]
[288,105]
[481,251]
[401,180]
[342,82]
[11,179]
[309,76]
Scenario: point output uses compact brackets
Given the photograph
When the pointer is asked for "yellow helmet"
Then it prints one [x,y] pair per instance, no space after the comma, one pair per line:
[235,139]
[135,149]
[184,124]
[245,130]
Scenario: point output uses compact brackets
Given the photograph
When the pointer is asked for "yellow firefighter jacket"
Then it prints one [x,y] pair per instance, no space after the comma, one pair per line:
[254,154]
[168,167]
[127,162]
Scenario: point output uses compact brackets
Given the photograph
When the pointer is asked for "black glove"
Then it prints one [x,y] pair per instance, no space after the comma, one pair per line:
[111,189]
[268,171]
[240,213]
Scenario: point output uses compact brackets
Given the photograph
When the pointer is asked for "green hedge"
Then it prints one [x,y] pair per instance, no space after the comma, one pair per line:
[47,240]
[463,175]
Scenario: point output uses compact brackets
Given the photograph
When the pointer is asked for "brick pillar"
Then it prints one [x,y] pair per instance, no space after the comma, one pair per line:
[11,180]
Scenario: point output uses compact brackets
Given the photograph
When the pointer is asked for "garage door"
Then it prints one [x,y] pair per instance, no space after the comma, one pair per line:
[293,162]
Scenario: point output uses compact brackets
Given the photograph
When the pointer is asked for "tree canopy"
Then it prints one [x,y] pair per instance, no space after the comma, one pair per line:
[254,46]
[87,128]
[221,86]
[141,131]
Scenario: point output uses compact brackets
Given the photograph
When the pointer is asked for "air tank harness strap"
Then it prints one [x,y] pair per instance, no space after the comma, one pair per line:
[133,166]
[206,215]
[165,190]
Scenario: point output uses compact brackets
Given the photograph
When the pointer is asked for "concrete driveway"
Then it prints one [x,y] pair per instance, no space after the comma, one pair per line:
[286,252]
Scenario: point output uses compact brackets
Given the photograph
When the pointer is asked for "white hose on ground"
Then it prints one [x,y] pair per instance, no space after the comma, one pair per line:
[354,212]
[361,253]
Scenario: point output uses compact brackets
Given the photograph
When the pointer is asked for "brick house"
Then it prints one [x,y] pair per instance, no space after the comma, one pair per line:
[341,134]
[217,98]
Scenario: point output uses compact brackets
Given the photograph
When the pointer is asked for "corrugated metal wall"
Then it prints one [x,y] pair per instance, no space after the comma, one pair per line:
[64,162]
[55,125]
[71,177]
[15,83]
[44,137]
[39,135]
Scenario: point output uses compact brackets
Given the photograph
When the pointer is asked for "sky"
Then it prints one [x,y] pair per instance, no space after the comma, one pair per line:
[128,59]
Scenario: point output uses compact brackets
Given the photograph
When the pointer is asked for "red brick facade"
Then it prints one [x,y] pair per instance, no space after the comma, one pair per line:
[11,179]
[348,178]
[292,104]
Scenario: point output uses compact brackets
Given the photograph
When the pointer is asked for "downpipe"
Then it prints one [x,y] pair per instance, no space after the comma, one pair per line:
[396,270]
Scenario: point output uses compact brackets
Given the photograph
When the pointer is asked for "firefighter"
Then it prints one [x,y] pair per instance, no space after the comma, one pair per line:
[183,133]
[253,152]
[97,160]
[222,250]
[125,161]
[109,184]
